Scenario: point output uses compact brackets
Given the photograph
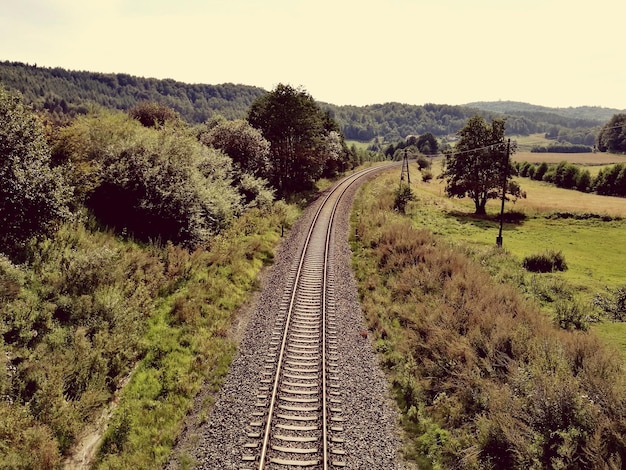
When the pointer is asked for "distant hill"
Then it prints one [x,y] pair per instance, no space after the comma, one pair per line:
[584,113]
[70,92]
[65,94]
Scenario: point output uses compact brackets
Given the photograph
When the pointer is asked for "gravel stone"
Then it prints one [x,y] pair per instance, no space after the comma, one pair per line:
[371,431]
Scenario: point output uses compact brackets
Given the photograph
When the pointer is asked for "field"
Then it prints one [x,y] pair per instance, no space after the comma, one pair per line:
[493,366]
[593,246]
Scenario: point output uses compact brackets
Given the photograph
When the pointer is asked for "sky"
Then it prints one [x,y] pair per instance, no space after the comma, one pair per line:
[556,53]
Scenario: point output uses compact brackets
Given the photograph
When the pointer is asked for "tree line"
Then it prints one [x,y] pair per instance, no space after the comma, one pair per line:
[610,181]
[65,94]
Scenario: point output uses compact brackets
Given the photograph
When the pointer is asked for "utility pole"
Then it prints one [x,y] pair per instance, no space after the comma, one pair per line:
[405,169]
[505,174]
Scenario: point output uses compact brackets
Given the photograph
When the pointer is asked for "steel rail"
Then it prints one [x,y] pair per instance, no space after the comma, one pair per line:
[337,191]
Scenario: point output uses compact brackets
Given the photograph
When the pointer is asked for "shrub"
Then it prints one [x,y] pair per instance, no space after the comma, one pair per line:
[156,184]
[571,315]
[547,262]
[403,196]
[423,163]
[427,175]
[152,114]
[540,172]
[612,304]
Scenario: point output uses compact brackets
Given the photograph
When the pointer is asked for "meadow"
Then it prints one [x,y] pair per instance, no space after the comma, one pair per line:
[587,228]
[493,366]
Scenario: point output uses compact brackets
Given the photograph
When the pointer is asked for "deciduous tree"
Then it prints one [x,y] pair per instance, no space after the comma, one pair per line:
[33,195]
[298,132]
[612,137]
[243,143]
[479,165]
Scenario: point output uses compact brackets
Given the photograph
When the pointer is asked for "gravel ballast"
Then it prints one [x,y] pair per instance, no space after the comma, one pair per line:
[372,435]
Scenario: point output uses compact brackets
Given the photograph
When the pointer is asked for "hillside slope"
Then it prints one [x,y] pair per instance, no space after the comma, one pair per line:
[66,93]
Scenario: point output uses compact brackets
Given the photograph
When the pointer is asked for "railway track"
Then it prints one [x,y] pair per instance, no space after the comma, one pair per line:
[298,418]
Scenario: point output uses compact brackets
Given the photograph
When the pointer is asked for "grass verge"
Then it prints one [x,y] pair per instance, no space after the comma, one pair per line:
[187,344]
[483,377]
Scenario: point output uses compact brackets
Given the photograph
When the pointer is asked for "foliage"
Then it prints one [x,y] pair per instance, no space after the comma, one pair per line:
[611,181]
[480,163]
[425,144]
[243,143]
[424,163]
[572,315]
[612,304]
[151,183]
[152,114]
[34,196]
[547,262]
[68,93]
[301,138]
[65,94]
[188,342]
[403,196]
[71,328]
[76,319]
[482,377]
[612,136]
[560,148]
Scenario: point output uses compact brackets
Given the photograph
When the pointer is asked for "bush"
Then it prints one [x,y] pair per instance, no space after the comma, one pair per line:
[156,184]
[427,175]
[423,163]
[612,304]
[547,262]
[571,315]
[540,172]
[403,196]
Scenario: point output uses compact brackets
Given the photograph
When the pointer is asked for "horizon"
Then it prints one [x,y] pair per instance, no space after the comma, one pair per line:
[344,53]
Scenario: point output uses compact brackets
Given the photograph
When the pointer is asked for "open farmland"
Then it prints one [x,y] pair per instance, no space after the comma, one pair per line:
[555,220]
[587,159]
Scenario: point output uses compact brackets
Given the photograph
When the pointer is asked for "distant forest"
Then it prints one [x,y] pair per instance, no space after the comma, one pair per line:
[65,94]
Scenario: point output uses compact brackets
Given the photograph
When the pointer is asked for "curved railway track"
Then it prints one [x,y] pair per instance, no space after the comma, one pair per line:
[297,422]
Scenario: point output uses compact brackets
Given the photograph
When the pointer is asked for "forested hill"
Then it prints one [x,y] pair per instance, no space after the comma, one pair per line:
[67,93]
[585,113]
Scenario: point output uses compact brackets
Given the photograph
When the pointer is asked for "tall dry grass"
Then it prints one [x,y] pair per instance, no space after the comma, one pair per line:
[483,378]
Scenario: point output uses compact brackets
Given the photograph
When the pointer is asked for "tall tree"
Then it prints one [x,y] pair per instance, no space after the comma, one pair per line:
[296,128]
[33,196]
[479,165]
[612,137]
[427,144]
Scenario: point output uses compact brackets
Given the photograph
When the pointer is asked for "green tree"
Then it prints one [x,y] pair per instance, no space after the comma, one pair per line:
[479,165]
[297,130]
[153,114]
[612,137]
[34,196]
[427,144]
[243,143]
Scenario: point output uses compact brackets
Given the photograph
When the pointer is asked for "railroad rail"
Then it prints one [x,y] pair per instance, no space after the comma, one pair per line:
[298,422]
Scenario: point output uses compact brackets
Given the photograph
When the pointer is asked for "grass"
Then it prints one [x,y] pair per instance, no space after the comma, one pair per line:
[593,247]
[483,378]
[187,343]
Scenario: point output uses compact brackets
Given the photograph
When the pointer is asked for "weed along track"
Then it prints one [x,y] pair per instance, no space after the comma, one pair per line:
[297,422]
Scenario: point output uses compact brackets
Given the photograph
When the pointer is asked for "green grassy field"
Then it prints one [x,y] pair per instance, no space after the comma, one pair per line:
[593,247]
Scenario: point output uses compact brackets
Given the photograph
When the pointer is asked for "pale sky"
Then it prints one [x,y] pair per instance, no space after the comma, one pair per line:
[556,53]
